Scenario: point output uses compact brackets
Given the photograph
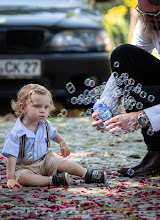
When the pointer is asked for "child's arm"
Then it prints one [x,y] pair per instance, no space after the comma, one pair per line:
[11,163]
[65,151]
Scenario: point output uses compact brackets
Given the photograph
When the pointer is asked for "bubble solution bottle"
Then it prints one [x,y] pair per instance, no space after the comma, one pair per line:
[102,109]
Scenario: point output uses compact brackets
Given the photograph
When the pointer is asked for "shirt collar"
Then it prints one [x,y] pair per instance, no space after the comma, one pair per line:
[22,130]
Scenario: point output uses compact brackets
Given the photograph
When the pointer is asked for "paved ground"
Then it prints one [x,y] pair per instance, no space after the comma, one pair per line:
[119,198]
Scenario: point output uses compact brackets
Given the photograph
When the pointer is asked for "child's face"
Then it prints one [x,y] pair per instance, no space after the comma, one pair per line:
[38,109]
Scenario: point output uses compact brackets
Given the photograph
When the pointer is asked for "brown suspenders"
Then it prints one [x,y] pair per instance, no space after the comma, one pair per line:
[22,146]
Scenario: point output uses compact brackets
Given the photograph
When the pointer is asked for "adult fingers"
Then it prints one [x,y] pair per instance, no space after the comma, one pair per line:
[94,115]
[116,130]
[110,121]
[110,126]
[97,123]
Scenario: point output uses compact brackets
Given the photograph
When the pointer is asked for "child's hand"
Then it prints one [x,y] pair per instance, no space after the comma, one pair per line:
[65,151]
[12,183]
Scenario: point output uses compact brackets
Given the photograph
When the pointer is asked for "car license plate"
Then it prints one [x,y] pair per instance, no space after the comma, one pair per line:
[20,68]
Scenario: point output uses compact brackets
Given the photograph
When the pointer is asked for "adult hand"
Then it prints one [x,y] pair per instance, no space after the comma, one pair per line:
[12,183]
[98,123]
[125,122]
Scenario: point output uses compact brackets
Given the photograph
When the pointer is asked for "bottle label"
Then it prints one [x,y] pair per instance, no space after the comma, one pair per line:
[103,110]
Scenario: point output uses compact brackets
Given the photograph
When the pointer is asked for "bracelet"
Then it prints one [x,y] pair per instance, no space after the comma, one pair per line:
[63,145]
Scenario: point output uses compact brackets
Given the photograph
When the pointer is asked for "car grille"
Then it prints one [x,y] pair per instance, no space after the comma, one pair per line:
[22,40]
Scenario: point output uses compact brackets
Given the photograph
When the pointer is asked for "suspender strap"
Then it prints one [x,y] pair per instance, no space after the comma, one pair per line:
[47,129]
[22,148]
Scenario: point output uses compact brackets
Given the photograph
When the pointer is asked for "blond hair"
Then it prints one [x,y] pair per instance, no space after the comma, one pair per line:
[24,97]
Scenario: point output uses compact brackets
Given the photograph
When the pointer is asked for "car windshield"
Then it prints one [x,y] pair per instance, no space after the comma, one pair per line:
[43,3]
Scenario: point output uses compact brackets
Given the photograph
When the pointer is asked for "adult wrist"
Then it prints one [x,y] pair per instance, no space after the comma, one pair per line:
[143,119]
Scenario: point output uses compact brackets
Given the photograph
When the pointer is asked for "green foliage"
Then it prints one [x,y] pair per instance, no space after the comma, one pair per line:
[117,19]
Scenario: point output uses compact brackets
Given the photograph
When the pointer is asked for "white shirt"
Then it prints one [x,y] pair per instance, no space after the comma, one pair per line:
[107,96]
[140,40]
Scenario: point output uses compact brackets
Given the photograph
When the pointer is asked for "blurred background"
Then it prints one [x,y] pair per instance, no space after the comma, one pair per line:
[120,19]
[72,43]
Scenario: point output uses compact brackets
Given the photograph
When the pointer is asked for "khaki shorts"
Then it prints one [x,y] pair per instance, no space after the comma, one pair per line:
[46,167]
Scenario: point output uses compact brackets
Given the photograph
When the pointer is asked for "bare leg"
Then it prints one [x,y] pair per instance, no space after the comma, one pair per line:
[72,168]
[29,179]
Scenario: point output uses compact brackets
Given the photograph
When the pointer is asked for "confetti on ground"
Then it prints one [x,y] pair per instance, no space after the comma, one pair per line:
[119,198]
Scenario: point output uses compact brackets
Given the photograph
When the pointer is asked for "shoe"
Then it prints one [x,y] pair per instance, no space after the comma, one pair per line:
[95,176]
[150,164]
[61,179]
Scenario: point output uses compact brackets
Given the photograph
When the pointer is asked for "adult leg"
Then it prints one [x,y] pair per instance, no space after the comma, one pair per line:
[139,64]
[144,69]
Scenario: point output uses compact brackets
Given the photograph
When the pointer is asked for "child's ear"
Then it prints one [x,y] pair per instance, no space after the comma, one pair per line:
[22,108]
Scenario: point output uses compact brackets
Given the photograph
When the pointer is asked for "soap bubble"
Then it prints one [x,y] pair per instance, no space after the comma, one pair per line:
[86,92]
[93,99]
[115,74]
[151,98]
[70,87]
[74,100]
[119,81]
[132,100]
[60,115]
[92,83]
[130,172]
[64,112]
[126,93]
[131,81]
[89,112]
[139,85]
[139,105]
[125,75]
[130,107]
[118,92]
[87,82]
[143,94]
[31,155]
[116,64]
[137,89]
[126,82]
[82,114]
[128,88]
[86,101]
[80,101]
[150,131]
[92,92]
[101,125]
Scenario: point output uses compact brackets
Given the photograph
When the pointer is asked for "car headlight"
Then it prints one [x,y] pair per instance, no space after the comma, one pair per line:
[80,40]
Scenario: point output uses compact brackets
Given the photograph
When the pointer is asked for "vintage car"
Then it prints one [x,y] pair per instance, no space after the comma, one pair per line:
[51,42]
